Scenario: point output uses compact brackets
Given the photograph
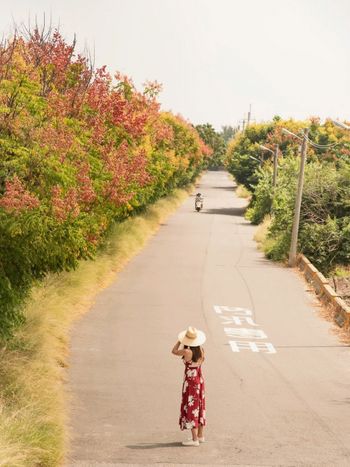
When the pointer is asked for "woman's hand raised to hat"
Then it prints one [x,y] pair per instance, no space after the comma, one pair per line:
[186,353]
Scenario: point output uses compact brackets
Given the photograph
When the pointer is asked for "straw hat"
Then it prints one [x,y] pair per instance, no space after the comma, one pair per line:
[192,337]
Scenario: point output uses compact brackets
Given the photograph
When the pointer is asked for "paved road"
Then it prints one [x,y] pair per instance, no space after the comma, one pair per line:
[278,381]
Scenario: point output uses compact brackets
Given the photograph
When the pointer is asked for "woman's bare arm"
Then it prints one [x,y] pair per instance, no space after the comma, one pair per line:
[187,353]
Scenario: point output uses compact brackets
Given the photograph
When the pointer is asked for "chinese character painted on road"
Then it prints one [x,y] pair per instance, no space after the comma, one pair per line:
[238,320]
[245,333]
[263,347]
[237,316]
[236,310]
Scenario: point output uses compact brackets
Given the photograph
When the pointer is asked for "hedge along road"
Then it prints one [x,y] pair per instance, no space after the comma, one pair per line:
[277,379]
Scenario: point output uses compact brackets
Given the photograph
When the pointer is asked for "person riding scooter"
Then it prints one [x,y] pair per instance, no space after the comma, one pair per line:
[198,202]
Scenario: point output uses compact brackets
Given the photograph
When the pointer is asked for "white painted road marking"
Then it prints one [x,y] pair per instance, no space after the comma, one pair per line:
[265,347]
[245,333]
[238,320]
[238,311]
[239,316]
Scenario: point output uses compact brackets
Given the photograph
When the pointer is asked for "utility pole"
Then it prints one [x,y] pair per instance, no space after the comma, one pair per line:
[249,115]
[297,207]
[275,165]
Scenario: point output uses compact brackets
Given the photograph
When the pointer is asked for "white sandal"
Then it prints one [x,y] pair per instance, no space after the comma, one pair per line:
[201,440]
[190,442]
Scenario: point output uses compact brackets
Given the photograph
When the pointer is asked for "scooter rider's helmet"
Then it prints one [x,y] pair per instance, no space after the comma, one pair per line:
[198,194]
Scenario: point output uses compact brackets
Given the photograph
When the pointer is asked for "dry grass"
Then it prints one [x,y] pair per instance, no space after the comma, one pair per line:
[32,398]
[243,192]
[327,312]
[261,232]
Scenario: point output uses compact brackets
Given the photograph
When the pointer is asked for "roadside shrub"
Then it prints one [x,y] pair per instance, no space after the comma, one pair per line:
[279,232]
[321,243]
[325,210]
[324,218]
[261,201]
[79,150]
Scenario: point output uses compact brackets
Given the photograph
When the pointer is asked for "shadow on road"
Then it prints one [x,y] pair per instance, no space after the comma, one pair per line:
[341,402]
[154,445]
[225,211]
[227,187]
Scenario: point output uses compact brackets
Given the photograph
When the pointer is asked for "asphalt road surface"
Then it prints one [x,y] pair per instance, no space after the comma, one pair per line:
[277,378]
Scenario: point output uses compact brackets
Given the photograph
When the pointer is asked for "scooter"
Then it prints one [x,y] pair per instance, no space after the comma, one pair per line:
[198,204]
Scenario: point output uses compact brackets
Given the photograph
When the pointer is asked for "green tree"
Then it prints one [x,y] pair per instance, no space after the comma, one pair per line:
[324,233]
[228,132]
[215,141]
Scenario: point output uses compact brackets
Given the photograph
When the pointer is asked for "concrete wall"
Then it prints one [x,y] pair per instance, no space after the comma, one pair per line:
[341,311]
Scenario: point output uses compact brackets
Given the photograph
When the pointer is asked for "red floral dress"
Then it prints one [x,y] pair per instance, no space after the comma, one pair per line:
[192,411]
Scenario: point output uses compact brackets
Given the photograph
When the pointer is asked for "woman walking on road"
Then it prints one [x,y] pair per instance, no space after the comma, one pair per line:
[192,414]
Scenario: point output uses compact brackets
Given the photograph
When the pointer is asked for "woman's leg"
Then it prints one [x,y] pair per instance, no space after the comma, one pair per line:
[200,431]
[194,434]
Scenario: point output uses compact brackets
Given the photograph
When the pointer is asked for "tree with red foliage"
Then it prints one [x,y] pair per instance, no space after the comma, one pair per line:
[79,150]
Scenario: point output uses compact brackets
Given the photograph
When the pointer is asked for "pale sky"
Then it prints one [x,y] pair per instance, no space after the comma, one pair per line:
[215,57]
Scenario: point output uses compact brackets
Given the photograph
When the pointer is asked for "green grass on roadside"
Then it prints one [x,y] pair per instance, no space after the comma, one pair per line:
[32,365]
[243,192]
[261,232]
